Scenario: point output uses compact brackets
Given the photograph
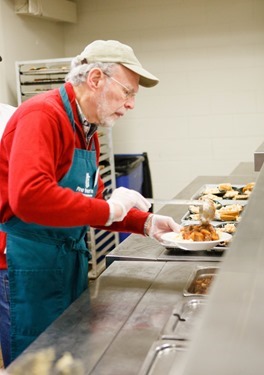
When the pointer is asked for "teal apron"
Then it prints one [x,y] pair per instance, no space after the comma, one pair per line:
[48,266]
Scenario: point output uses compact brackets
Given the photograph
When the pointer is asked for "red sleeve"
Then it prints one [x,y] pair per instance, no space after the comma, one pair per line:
[133,222]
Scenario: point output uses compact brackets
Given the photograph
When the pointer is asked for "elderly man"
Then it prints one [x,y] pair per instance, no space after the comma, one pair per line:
[48,152]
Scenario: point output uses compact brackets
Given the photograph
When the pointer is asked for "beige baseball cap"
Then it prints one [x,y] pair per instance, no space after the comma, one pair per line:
[115,52]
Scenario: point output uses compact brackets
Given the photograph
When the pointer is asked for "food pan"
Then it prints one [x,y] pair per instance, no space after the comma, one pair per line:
[182,321]
[162,356]
[200,281]
[230,212]
[215,192]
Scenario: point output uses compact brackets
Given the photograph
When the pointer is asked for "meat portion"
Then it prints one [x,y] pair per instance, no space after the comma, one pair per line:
[202,284]
[201,232]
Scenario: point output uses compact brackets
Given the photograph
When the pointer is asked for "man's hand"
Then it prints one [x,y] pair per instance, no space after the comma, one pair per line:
[122,200]
[157,225]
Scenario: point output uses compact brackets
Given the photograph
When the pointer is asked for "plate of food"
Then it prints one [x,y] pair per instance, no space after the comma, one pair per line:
[196,237]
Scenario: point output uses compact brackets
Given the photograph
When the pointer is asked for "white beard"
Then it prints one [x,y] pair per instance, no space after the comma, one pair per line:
[105,120]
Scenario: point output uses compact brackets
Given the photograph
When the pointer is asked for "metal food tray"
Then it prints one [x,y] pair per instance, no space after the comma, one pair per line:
[203,188]
[197,274]
[182,321]
[162,356]
[45,71]
[188,219]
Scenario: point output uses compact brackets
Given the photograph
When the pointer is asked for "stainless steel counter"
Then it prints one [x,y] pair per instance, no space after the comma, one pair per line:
[245,169]
[131,302]
[129,305]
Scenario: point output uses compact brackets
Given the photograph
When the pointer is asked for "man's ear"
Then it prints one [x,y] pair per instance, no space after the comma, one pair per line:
[95,78]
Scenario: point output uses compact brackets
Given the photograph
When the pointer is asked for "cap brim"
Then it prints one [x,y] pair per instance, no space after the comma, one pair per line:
[146,79]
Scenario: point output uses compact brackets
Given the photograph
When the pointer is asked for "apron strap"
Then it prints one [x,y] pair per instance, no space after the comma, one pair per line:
[72,244]
[68,109]
[67,105]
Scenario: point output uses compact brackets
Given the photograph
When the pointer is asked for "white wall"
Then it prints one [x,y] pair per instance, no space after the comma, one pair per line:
[24,38]
[207,113]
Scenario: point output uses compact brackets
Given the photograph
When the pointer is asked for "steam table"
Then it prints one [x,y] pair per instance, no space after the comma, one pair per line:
[112,328]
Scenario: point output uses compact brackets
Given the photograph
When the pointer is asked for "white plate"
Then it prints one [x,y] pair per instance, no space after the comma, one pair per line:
[172,239]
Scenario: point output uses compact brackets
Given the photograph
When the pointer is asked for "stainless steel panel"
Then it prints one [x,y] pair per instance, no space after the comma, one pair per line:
[177,202]
[259,157]
[182,322]
[245,169]
[174,254]
[162,356]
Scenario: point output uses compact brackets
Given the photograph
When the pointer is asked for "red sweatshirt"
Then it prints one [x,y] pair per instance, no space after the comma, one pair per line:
[36,150]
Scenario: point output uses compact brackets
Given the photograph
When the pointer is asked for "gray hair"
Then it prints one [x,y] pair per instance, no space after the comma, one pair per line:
[80,69]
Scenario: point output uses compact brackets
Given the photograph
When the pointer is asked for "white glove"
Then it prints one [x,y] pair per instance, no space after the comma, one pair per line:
[122,200]
[157,225]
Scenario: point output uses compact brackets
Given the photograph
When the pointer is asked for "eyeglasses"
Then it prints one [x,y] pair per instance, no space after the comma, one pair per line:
[129,94]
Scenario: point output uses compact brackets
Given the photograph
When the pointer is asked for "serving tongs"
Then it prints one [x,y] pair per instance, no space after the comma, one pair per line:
[206,207]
